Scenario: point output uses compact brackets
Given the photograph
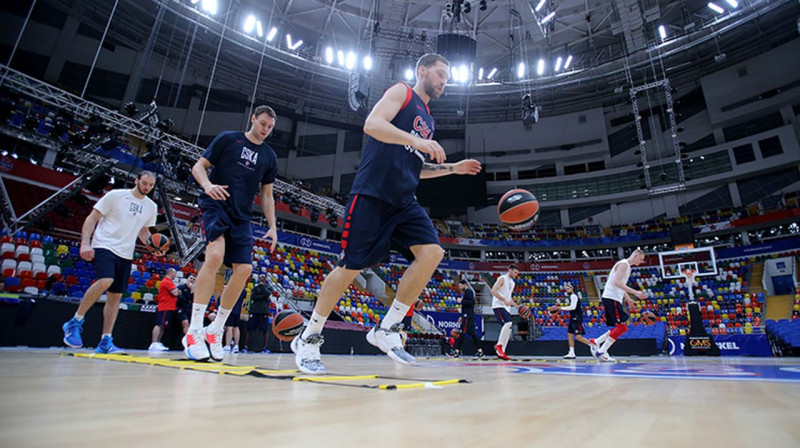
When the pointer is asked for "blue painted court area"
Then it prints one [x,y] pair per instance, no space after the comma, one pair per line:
[741,369]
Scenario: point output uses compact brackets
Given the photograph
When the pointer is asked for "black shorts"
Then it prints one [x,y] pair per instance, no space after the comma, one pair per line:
[615,312]
[107,264]
[183,315]
[165,318]
[372,227]
[407,322]
[575,327]
[238,236]
[258,322]
[502,315]
[234,318]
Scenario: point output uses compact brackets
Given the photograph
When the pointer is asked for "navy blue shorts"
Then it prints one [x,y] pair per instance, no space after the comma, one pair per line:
[502,315]
[575,327]
[238,235]
[164,318]
[372,227]
[234,318]
[184,315]
[615,312]
[258,322]
[107,264]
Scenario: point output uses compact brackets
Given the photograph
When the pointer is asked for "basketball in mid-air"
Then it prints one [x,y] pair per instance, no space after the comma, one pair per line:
[649,318]
[518,209]
[157,242]
[286,325]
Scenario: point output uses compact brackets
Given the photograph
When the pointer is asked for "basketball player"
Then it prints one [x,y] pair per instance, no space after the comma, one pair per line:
[615,292]
[242,163]
[467,320]
[575,328]
[108,237]
[501,305]
[383,210]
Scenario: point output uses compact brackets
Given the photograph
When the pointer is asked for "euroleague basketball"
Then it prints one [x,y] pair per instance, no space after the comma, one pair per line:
[518,209]
[649,318]
[524,311]
[157,242]
[286,325]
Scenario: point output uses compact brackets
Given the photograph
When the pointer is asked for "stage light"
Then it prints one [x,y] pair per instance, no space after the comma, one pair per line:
[409,74]
[558,63]
[662,32]
[259,29]
[292,45]
[329,55]
[340,58]
[209,6]
[540,5]
[548,17]
[350,62]
[464,73]
[567,62]
[733,3]
[483,5]
[492,72]
[521,70]
[368,62]
[271,34]
[715,8]
[480,74]
[540,67]
[249,23]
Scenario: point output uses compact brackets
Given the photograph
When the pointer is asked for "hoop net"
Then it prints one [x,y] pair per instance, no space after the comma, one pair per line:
[689,274]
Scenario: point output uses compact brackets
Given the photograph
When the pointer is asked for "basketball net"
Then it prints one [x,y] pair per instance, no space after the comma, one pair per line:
[689,274]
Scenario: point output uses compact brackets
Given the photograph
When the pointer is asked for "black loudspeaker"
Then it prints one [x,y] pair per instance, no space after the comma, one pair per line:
[456,47]
[681,234]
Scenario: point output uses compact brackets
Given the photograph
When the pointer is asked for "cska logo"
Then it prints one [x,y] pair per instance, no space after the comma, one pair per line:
[422,127]
[249,155]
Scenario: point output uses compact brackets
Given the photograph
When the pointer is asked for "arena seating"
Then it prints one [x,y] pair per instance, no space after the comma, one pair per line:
[786,333]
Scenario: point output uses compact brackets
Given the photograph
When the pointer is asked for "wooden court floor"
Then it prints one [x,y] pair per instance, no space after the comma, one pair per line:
[51,398]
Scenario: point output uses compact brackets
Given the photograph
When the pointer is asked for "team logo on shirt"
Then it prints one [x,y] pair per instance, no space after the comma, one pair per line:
[136,209]
[249,156]
[421,129]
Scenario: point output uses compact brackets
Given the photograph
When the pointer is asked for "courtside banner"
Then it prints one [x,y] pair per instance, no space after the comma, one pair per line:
[448,321]
[729,345]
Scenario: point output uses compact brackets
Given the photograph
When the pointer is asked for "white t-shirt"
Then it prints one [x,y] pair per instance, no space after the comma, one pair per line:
[573,302]
[124,215]
[505,291]
[611,291]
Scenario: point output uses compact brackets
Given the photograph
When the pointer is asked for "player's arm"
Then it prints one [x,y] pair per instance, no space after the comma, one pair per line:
[200,173]
[616,273]
[144,234]
[467,166]
[86,234]
[268,207]
[379,124]
[573,303]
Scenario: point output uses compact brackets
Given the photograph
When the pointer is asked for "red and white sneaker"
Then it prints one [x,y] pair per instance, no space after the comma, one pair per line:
[214,340]
[500,353]
[194,346]
[593,347]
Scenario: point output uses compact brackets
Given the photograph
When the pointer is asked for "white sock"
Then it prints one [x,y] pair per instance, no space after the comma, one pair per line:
[104,335]
[78,317]
[602,338]
[219,321]
[571,351]
[607,345]
[315,325]
[505,334]
[396,313]
[198,313]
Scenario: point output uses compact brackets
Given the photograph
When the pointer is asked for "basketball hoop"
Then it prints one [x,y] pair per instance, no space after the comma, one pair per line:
[689,274]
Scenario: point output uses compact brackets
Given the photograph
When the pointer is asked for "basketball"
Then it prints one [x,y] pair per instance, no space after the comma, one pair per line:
[524,311]
[455,333]
[157,242]
[286,325]
[418,305]
[649,318]
[518,209]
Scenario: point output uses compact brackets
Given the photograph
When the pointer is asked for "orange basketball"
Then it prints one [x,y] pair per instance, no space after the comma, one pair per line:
[524,311]
[418,305]
[157,242]
[286,325]
[649,318]
[455,333]
[518,209]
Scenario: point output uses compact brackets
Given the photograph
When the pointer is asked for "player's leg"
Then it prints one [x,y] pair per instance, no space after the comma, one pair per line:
[105,271]
[473,332]
[122,272]
[615,319]
[571,341]
[505,321]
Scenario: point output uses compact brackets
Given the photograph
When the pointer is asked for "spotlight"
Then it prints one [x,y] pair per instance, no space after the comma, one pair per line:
[492,72]
[130,108]
[548,17]
[540,67]
[482,5]
[467,8]
[540,5]
[271,34]
[209,6]
[350,62]
[409,74]
[165,125]
[521,70]
[662,32]
[480,74]
[368,62]
[558,64]
[340,58]
[714,7]
[329,55]
[568,62]
[259,29]
[249,23]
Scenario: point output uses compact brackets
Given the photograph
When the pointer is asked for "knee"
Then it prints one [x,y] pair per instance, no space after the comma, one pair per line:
[105,283]
[431,253]
[243,270]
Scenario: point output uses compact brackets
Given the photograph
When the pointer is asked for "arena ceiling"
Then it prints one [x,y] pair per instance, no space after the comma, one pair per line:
[614,44]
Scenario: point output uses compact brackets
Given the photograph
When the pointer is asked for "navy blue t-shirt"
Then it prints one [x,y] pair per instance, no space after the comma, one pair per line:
[241,165]
[391,172]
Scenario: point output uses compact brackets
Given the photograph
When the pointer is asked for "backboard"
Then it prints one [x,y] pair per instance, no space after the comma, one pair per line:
[702,260]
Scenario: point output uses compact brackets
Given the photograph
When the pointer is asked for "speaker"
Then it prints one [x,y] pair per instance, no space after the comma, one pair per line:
[456,47]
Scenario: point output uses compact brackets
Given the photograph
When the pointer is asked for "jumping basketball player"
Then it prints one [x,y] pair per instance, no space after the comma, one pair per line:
[575,328]
[383,209]
[242,162]
[615,292]
[501,305]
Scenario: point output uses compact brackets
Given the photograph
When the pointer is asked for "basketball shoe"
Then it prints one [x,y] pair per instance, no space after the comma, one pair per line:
[157,347]
[500,353]
[107,347]
[605,357]
[569,355]
[478,355]
[389,342]
[72,333]
[593,347]
[214,340]
[194,346]
[306,354]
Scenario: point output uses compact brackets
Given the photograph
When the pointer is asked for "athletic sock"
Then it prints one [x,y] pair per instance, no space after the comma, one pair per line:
[602,338]
[505,335]
[198,313]
[606,345]
[78,317]
[396,313]
[315,325]
[571,351]
[219,321]
[104,335]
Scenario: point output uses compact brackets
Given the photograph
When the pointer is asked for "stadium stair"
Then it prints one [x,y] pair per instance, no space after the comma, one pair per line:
[756,278]
[779,307]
